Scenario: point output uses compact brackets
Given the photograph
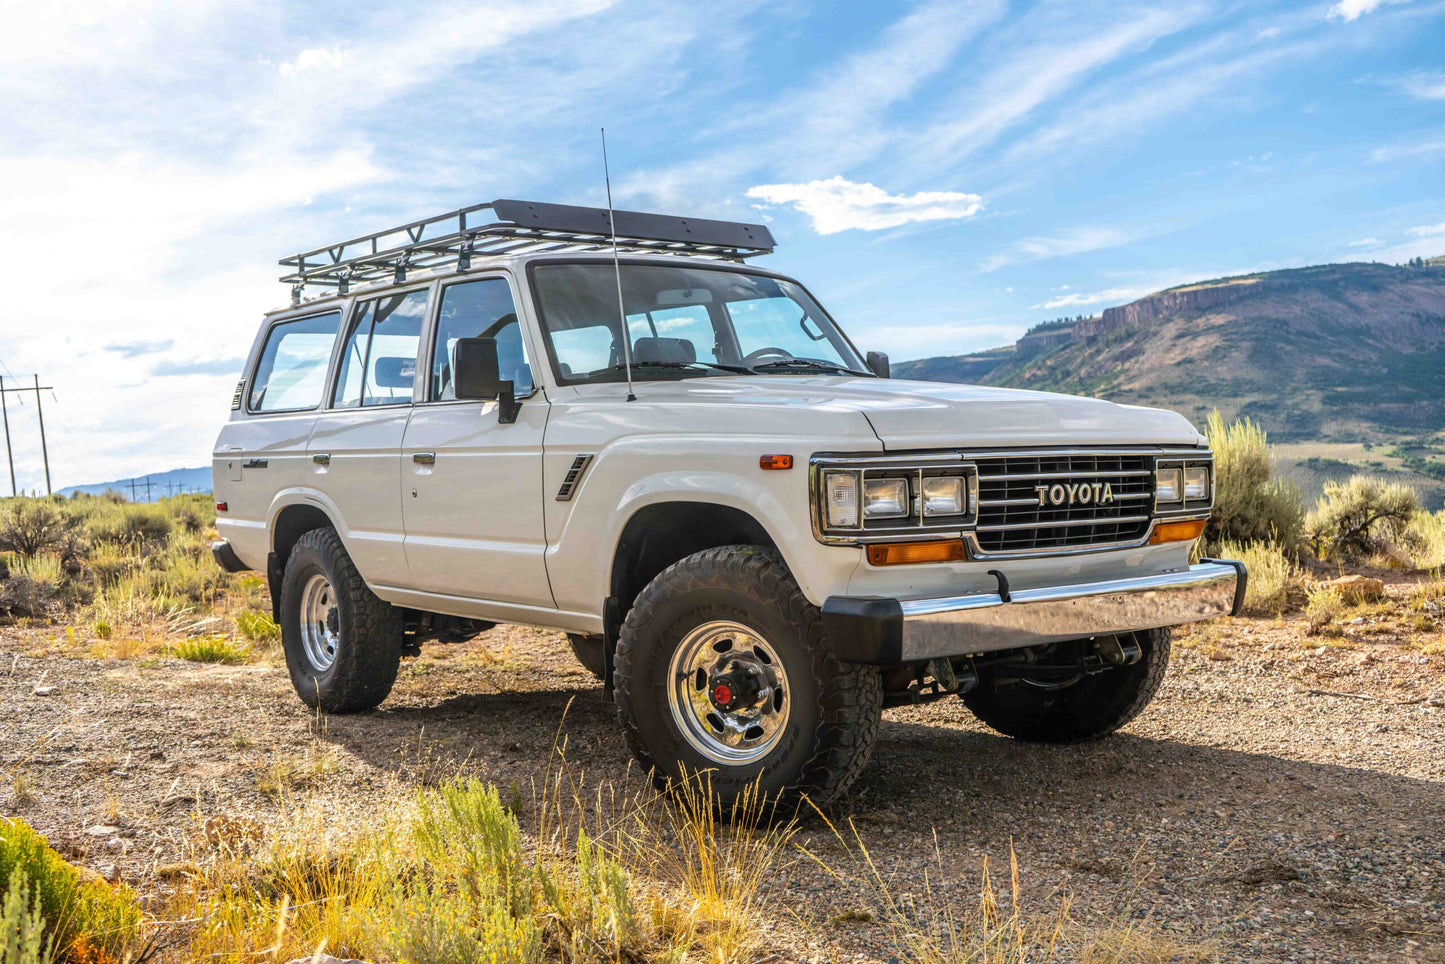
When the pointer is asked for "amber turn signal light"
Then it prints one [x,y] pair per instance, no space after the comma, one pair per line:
[1182,531]
[775,462]
[904,553]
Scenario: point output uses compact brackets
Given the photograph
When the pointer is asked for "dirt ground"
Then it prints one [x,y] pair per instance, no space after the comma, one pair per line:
[1284,798]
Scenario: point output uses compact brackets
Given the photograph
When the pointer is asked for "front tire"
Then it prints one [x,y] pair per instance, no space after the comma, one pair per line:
[1088,709]
[343,644]
[722,668]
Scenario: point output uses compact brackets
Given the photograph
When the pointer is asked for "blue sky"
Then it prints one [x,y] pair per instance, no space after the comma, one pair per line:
[941,174]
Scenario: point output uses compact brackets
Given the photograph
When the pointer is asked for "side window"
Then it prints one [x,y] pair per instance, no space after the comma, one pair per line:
[378,364]
[291,374]
[477,309]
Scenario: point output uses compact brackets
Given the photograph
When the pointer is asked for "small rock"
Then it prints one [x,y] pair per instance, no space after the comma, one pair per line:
[324,959]
[102,830]
[43,690]
[176,799]
[1358,589]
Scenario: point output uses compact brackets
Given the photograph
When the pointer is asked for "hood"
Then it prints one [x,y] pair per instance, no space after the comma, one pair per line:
[909,414]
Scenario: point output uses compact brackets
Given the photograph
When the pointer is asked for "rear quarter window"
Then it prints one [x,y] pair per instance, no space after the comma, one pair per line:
[291,373]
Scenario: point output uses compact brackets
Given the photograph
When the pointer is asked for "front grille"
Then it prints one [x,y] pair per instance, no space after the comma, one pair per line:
[1011,519]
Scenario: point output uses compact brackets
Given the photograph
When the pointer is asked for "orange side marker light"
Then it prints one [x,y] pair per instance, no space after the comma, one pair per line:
[775,462]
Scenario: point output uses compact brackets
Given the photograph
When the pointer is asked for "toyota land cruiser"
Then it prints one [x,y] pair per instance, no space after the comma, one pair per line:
[614,427]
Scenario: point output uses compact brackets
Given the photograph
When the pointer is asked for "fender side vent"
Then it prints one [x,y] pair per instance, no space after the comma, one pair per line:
[574,475]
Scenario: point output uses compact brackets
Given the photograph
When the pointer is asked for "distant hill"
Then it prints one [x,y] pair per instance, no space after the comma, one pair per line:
[161,484]
[1343,364]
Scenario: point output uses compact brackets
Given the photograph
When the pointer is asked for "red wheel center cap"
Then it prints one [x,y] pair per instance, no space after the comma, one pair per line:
[722,694]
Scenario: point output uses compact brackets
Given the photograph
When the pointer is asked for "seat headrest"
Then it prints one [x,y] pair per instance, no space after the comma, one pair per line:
[395,372]
[676,351]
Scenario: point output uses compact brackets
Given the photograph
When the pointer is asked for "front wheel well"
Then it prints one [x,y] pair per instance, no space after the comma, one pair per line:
[658,535]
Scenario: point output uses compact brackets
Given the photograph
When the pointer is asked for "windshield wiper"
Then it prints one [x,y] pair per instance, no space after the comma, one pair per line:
[811,364]
[670,366]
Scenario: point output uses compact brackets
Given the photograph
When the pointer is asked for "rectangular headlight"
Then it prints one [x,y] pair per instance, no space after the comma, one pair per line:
[1167,485]
[943,496]
[885,499]
[840,499]
[1196,482]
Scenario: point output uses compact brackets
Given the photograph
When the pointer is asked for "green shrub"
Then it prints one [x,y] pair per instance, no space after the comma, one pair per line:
[1271,575]
[1361,517]
[75,912]
[30,526]
[129,524]
[1325,603]
[1426,538]
[211,649]
[22,597]
[1251,504]
[258,627]
[22,929]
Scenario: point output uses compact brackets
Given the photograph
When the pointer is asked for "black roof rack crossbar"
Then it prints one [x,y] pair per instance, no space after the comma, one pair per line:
[513,227]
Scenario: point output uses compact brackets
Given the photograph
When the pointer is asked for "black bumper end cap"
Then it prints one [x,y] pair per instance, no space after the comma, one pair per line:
[864,629]
[226,557]
[1240,585]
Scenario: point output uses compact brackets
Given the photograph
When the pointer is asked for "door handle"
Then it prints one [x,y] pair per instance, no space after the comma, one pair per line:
[321,458]
[254,464]
[424,458]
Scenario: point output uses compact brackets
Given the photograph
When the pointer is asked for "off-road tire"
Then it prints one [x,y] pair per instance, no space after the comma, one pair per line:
[589,652]
[1091,708]
[835,707]
[368,651]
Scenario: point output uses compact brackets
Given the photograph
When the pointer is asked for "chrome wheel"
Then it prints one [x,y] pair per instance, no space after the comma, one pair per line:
[729,694]
[320,623]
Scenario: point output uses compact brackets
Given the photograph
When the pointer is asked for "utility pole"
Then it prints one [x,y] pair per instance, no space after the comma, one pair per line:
[5,414]
[148,488]
[44,453]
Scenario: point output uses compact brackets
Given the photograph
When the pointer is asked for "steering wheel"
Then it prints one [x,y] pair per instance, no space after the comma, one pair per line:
[753,357]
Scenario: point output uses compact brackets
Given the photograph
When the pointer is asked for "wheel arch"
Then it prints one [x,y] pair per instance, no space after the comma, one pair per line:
[288,525]
[659,534]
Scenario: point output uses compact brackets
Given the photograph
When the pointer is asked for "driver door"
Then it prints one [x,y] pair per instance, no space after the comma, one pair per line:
[472,486]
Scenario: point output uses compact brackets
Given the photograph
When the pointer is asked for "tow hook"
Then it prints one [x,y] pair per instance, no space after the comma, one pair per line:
[1118,651]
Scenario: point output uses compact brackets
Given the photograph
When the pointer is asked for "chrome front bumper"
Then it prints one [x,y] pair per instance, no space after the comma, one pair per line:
[891,631]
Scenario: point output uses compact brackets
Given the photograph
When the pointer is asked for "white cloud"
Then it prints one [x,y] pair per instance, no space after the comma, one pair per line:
[1366,243]
[1109,295]
[1073,241]
[1401,152]
[1428,231]
[1424,84]
[1348,10]
[837,204]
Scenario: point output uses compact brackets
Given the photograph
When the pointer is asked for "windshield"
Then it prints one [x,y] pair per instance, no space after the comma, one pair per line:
[683,322]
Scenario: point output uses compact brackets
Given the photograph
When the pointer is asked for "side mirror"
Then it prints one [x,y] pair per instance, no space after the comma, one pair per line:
[878,363]
[478,375]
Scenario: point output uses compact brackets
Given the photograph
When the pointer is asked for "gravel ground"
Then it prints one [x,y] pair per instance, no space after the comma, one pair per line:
[1282,799]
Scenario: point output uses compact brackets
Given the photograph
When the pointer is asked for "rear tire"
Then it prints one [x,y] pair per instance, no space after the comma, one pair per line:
[1093,707]
[343,644]
[589,652]
[732,620]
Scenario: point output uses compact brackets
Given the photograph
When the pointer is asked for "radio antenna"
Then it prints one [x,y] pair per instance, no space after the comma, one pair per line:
[617,270]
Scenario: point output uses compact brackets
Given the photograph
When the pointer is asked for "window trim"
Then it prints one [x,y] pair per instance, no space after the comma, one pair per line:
[340,351]
[341,312]
[542,330]
[436,325]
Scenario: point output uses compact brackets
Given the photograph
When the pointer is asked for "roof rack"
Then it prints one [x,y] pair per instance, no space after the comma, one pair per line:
[515,227]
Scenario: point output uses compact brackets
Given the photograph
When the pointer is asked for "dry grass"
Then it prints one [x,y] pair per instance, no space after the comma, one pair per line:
[1271,576]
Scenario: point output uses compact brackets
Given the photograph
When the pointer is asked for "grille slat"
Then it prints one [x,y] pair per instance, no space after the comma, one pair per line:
[1010,518]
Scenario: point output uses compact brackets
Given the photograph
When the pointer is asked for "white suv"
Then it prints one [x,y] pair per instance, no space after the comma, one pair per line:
[751,534]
